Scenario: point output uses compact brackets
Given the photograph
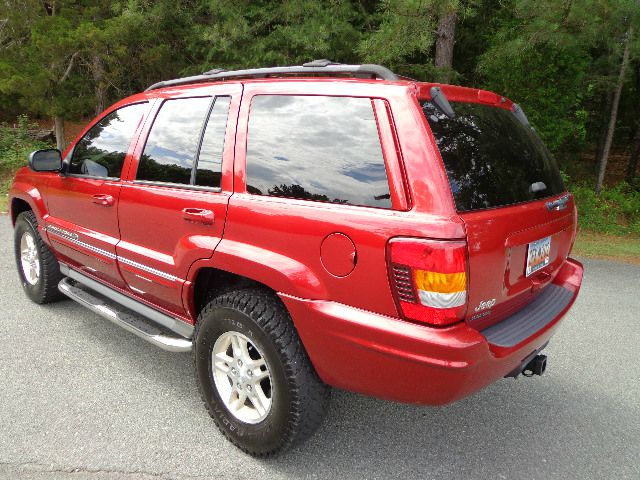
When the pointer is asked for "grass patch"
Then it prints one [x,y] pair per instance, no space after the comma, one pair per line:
[614,247]
[4,203]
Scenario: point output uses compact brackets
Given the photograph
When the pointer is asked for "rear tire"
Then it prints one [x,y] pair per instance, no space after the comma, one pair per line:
[288,404]
[37,266]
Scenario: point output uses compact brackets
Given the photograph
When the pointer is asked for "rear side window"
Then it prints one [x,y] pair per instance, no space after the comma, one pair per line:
[101,151]
[491,158]
[316,148]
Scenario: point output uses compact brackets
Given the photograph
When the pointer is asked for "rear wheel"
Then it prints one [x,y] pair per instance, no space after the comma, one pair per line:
[254,375]
[37,266]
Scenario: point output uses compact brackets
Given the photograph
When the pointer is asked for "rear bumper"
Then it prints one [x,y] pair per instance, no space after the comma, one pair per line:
[390,358]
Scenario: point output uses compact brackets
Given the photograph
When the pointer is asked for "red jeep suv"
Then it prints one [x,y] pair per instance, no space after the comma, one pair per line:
[304,227]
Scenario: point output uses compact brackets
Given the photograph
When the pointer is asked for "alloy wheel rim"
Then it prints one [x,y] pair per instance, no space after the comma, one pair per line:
[242,378]
[29,258]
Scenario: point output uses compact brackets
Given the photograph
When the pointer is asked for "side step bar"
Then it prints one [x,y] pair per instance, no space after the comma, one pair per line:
[120,315]
[176,325]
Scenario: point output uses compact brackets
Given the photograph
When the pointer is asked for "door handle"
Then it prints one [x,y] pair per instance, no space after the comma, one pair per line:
[559,204]
[102,199]
[198,215]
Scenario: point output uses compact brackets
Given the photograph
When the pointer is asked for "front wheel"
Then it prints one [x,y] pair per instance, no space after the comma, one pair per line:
[254,375]
[37,266]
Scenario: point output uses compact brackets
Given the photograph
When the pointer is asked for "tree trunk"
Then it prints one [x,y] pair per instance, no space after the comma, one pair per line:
[445,42]
[58,125]
[633,161]
[614,112]
[602,138]
[100,87]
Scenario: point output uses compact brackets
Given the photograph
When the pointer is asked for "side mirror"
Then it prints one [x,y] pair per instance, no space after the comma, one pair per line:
[48,160]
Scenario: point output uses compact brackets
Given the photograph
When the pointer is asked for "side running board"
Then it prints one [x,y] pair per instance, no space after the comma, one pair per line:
[122,316]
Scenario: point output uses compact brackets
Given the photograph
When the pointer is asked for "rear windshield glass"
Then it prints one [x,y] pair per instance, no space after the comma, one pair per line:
[491,158]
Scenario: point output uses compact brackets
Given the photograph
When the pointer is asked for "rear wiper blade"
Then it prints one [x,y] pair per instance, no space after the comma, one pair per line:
[440,100]
[519,113]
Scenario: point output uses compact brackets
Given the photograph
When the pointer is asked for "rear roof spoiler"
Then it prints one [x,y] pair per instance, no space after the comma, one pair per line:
[322,67]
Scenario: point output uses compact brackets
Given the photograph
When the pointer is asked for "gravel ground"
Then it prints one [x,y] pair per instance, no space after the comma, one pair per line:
[82,399]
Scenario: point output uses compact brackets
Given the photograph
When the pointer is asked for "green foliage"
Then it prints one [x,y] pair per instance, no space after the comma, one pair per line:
[412,20]
[15,146]
[547,81]
[246,33]
[616,211]
[558,59]
[404,32]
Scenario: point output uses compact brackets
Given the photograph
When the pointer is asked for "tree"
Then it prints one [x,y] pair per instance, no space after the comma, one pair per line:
[614,110]
[37,61]
[632,166]
[241,34]
[556,58]
[40,66]
[62,58]
[445,40]
[414,37]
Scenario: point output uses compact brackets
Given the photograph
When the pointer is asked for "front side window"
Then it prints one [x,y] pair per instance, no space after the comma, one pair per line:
[316,148]
[101,152]
[175,147]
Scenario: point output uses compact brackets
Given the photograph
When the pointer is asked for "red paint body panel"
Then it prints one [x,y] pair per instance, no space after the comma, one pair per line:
[338,293]
[396,360]
[497,241]
[95,225]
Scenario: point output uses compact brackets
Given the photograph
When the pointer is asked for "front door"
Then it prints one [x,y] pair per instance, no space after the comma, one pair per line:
[172,208]
[83,203]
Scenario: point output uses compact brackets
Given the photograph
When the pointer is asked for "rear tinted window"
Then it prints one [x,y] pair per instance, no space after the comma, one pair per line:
[316,148]
[491,158]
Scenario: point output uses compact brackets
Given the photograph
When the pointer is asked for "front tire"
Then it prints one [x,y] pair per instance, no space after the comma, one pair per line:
[254,375]
[37,266]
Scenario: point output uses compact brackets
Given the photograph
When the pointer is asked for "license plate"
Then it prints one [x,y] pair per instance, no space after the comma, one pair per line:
[538,255]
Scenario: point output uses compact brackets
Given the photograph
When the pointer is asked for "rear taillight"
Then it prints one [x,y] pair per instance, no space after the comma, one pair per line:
[429,279]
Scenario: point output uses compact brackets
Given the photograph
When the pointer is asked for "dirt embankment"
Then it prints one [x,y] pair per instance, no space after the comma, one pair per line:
[71,129]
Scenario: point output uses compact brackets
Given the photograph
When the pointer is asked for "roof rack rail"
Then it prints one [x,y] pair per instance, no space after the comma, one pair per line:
[323,67]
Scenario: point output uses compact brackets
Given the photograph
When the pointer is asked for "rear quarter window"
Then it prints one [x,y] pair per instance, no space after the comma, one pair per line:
[316,148]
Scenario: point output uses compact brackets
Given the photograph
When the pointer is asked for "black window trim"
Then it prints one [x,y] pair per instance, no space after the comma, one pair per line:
[191,185]
[67,164]
[318,203]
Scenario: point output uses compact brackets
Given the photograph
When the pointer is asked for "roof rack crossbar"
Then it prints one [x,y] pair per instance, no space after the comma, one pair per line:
[322,67]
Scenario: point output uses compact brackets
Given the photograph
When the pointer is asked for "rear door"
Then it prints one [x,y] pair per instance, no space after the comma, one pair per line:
[172,209]
[519,219]
[314,208]
[83,204]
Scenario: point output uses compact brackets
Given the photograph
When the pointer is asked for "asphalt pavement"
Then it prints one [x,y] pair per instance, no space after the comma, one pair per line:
[81,398]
